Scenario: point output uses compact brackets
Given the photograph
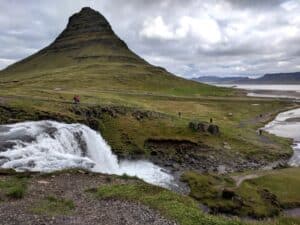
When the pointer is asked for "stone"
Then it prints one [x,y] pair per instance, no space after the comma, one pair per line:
[43,182]
[226,146]
[213,129]
[204,127]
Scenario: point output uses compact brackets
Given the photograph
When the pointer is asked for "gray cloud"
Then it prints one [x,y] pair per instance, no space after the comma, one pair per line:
[189,38]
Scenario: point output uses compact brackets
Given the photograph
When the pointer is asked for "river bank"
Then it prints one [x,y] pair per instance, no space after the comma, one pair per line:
[268,91]
[287,125]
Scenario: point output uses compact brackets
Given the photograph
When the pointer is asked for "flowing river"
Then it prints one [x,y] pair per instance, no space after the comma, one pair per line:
[287,124]
[46,146]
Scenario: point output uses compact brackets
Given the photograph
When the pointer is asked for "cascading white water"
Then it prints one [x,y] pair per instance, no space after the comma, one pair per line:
[287,124]
[47,146]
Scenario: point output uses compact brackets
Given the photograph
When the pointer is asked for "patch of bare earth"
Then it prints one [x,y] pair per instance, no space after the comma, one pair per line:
[87,211]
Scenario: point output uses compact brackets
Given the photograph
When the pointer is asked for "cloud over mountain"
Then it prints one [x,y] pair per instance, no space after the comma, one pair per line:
[189,38]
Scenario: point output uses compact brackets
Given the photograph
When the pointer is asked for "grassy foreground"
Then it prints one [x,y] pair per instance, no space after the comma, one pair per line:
[260,194]
[181,209]
[48,197]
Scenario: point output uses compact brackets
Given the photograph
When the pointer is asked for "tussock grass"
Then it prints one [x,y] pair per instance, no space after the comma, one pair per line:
[53,206]
[13,187]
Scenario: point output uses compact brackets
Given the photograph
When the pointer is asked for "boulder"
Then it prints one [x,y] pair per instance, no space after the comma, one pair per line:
[213,129]
[204,127]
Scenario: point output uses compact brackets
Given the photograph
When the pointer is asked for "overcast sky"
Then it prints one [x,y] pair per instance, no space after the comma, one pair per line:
[188,37]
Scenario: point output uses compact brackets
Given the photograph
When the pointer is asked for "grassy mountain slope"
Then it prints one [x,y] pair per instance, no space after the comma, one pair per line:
[87,56]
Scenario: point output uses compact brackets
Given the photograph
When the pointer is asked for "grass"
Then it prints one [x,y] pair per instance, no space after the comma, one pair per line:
[182,209]
[260,197]
[284,183]
[53,206]
[128,136]
[13,187]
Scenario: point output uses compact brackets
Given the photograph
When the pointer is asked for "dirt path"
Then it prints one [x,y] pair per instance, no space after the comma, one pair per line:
[88,210]
[240,179]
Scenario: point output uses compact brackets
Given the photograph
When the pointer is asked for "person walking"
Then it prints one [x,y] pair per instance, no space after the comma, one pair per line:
[76,99]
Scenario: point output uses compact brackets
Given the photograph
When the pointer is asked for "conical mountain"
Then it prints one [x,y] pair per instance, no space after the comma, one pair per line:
[89,55]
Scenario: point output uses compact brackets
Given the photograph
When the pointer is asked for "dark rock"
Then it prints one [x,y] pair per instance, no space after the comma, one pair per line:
[228,193]
[93,123]
[270,197]
[213,129]
[204,127]
[139,115]
[86,27]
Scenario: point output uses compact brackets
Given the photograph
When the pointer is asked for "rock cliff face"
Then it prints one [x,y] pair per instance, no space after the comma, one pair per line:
[86,27]
[87,39]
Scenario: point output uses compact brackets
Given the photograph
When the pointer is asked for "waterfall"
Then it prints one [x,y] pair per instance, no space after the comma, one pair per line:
[47,146]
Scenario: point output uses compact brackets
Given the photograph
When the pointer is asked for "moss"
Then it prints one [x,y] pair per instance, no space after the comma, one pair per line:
[13,187]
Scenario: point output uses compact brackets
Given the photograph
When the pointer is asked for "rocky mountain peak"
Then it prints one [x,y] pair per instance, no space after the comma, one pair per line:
[85,28]
[88,20]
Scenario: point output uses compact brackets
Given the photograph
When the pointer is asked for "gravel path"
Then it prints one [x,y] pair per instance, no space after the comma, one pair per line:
[88,210]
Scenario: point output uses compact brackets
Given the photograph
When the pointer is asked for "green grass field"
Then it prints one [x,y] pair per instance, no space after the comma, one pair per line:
[265,194]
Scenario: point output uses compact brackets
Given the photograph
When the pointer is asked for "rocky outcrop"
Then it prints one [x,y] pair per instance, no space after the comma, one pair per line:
[139,114]
[204,127]
[84,28]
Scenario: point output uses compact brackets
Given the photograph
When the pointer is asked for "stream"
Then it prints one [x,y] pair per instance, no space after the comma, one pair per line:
[287,124]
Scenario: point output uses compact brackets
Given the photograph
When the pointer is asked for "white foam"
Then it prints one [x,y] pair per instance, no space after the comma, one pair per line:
[48,146]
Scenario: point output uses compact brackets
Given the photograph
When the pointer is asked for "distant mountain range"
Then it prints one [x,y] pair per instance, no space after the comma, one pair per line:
[274,78]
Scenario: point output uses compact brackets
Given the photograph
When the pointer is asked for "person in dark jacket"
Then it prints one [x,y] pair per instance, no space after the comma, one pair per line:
[76,99]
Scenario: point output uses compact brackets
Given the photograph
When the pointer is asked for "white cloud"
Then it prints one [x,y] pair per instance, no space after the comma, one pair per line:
[205,30]
[290,5]
[226,37]
[157,29]
[5,62]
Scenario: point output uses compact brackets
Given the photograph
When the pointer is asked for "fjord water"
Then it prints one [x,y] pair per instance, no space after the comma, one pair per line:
[268,91]
[47,146]
[270,87]
[287,124]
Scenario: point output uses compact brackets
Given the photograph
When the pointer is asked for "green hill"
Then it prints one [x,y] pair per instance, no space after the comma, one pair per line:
[89,56]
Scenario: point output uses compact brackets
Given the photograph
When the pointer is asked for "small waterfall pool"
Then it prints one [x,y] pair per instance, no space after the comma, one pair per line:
[287,124]
[46,146]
